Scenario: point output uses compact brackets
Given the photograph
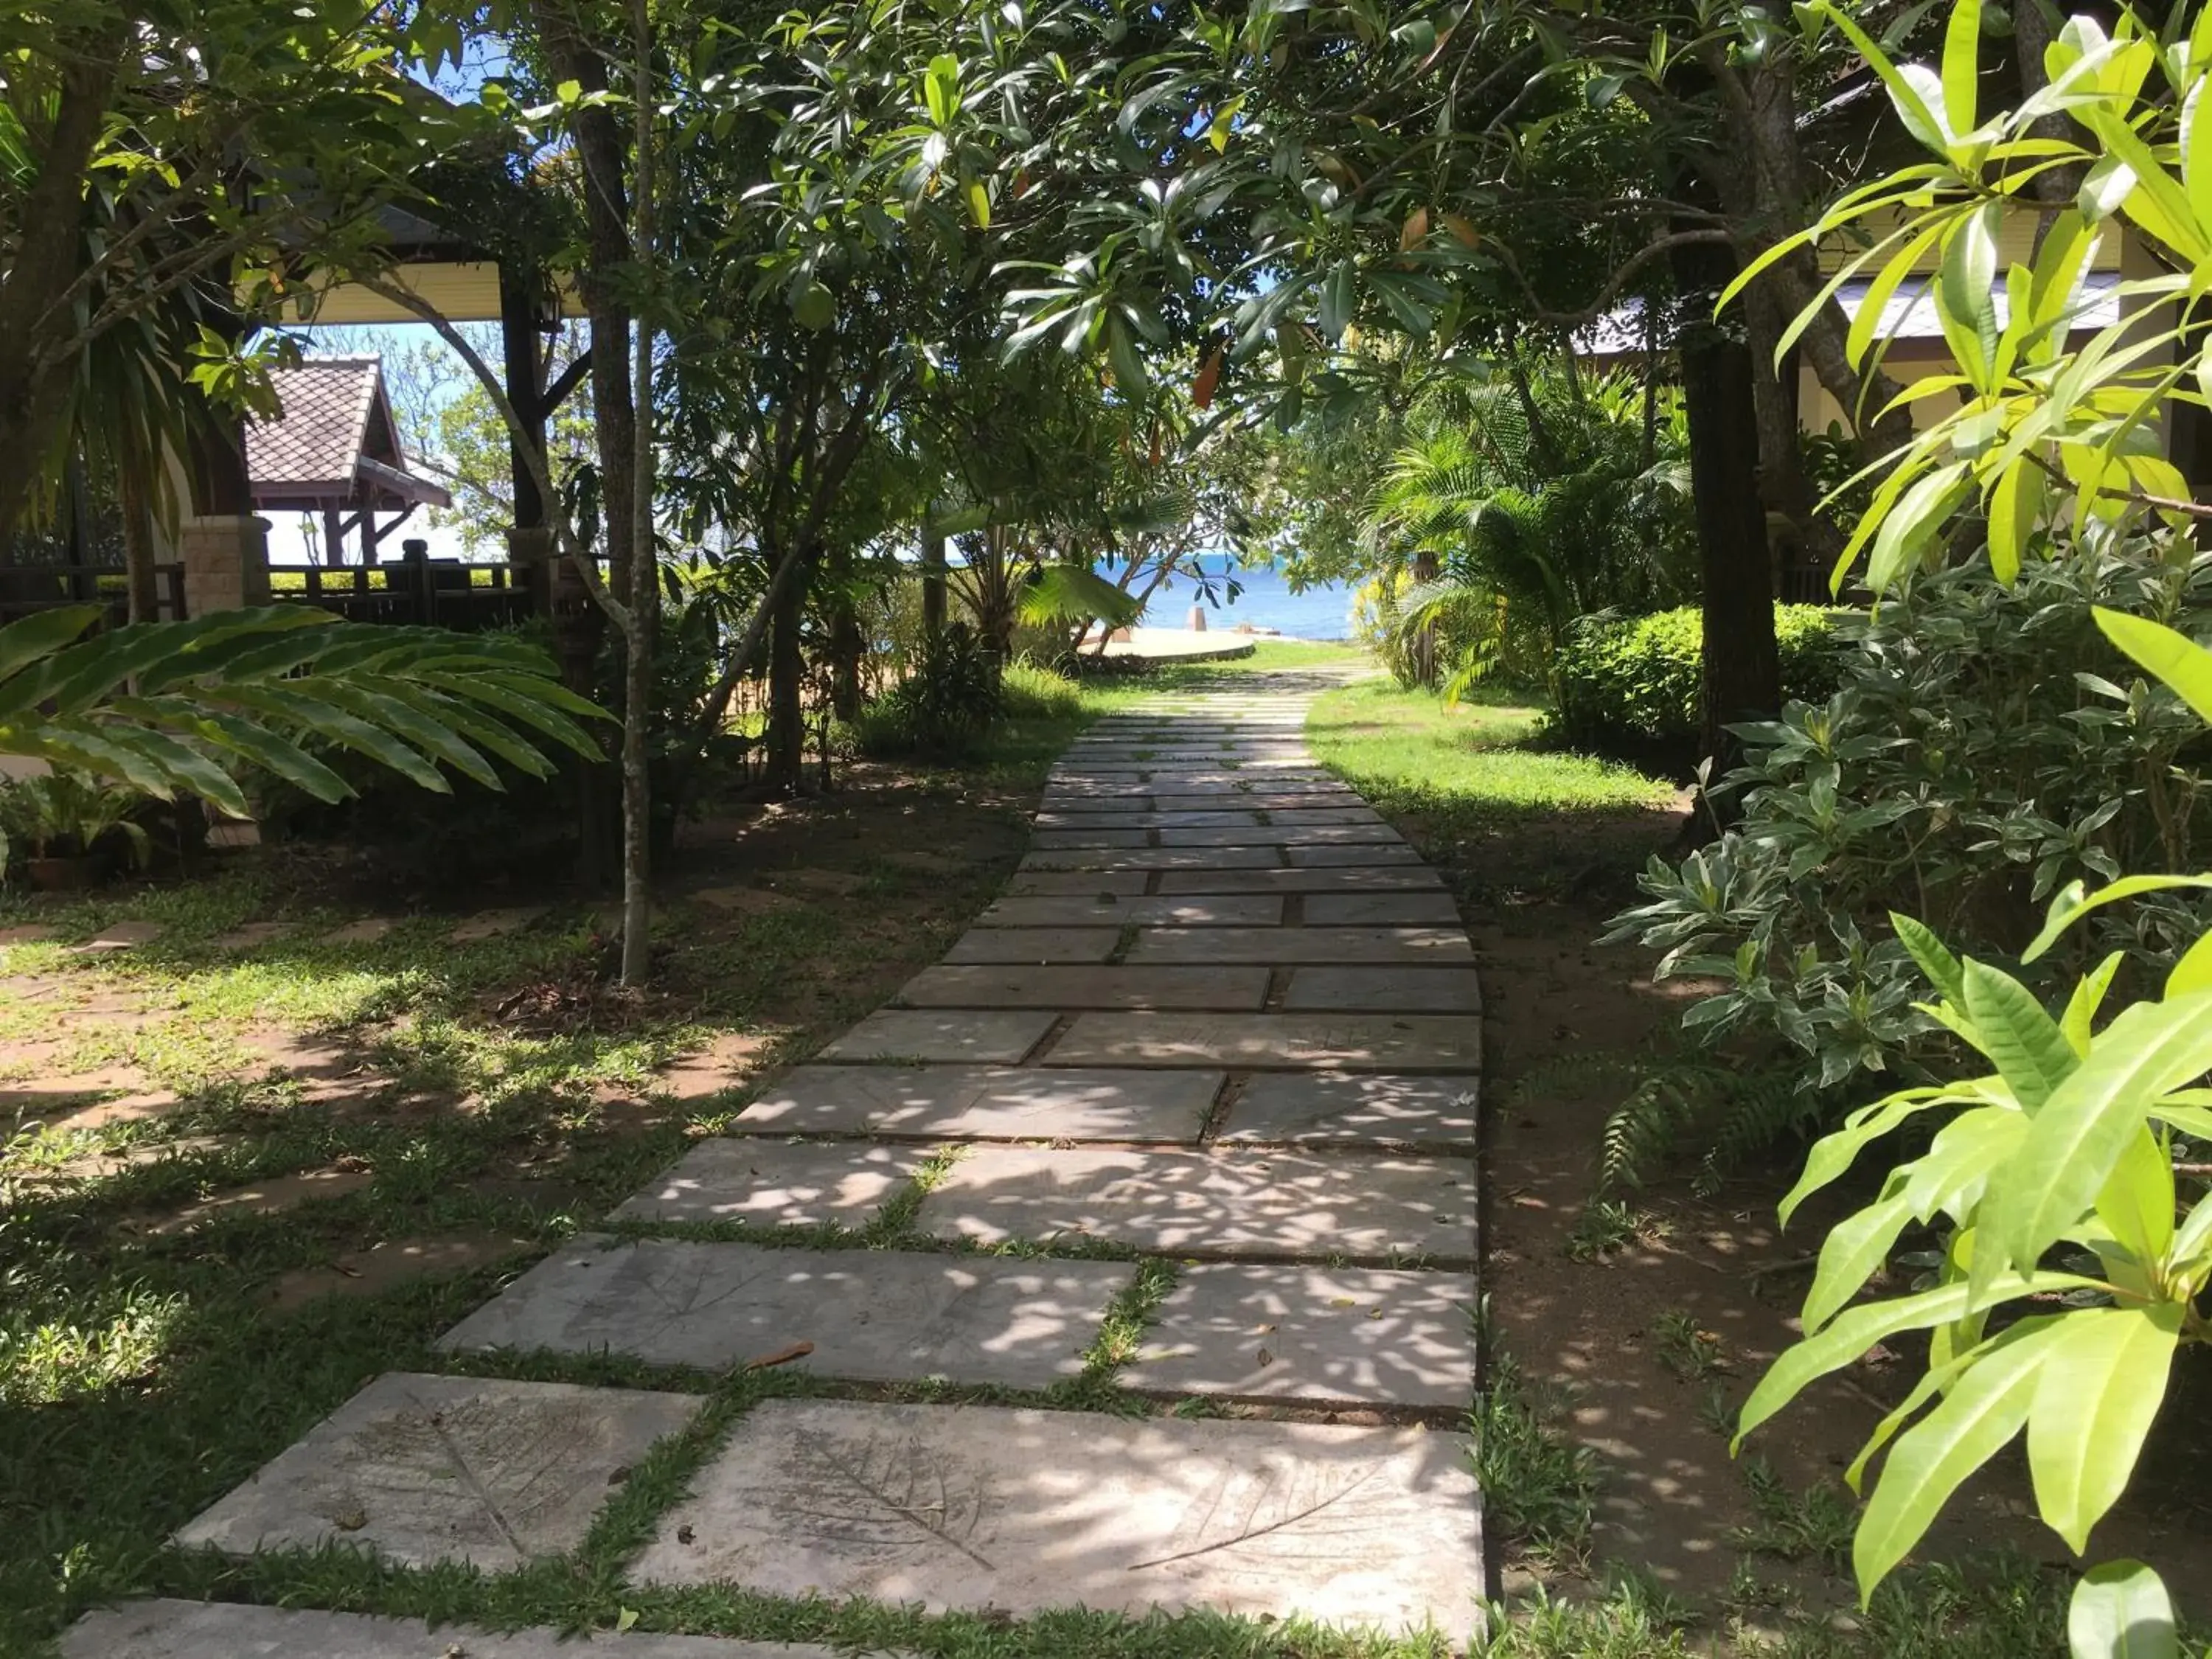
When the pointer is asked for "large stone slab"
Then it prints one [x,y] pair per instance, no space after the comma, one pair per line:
[1087,883]
[1233,989]
[1073,909]
[1324,1108]
[1296,835]
[1254,1331]
[876,1315]
[1415,909]
[1034,944]
[1287,945]
[1234,1202]
[1343,1043]
[1061,840]
[1141,818]
[984,1103]
[422,1469]
[1383,990]
[1384,878]
[1304,857]
[1156,858]
[1019,1511]
[228,1629]
[929,1034]
[1259,800]
[776,1184]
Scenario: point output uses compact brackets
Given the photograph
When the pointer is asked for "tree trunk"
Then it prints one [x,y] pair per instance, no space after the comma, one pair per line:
[143,582]
[1742,671]
[933,585]
[33,393]
[787,681]
[1421,657]
[846,648]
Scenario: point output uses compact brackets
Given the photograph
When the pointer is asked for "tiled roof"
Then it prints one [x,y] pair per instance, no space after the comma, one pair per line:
[323,428]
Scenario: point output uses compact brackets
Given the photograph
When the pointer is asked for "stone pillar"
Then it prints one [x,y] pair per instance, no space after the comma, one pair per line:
[226,560]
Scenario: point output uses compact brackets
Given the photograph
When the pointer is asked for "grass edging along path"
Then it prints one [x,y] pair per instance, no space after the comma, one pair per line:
[1632,1324]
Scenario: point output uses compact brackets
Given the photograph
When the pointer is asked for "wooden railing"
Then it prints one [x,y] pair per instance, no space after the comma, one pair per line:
[434,592]
[27,589]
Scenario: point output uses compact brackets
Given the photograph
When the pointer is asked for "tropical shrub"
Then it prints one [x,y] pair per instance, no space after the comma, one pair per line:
[949,695]
[1635,682]
[2065,1150]
[67,814]
[1516,506]
[1977,754]
[2075,1245]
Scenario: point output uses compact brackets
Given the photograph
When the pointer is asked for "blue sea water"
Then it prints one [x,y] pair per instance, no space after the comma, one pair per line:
[1263,598]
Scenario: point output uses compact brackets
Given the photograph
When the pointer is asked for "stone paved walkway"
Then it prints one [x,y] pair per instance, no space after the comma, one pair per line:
[1210,1064]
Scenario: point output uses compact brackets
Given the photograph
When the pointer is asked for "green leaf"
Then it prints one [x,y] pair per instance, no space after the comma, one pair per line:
[2121,1611]
[1962,46]
[978,204]
[1835,1152]
[2193,973]
[1339,295]
[2104,1373]
[2079,1021]
[2085,1125]
[2135,1203]
[1933,959]
[1853,1249]
[2026,1046]
[1856,1330]
[1986,1407]
[2070,905]
[2166,655]
[37,636]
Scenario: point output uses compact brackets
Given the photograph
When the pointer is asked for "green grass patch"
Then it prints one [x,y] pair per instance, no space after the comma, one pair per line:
[1412,748]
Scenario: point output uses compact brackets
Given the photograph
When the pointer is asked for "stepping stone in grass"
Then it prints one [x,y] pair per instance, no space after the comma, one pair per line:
[1019,1511]
[123,936]
[1384,990]
[926,1034]
[1107,910]
[1336,1043]
[252,936]
[795,1183]
[420,1469]
[874,1315]
[1231,1203]
[494,924]
[367,931]
[983,1102]
[1068,987]
[225,1630]
[1283,946]
[1251,1331]
[1339,1109]
[1033,945]
[1430,908]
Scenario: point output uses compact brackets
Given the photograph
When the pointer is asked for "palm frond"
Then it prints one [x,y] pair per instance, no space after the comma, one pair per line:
[173,708]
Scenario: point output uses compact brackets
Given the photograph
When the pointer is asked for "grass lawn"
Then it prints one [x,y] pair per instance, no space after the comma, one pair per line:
[1476,786]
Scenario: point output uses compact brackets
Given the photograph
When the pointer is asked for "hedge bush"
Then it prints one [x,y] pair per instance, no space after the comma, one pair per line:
[1632,682]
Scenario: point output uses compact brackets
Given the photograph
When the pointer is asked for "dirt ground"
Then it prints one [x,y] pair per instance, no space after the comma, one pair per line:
[1567,1021]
